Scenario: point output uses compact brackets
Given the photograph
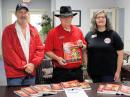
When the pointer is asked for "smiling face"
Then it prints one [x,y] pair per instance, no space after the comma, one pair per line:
[22,16]
[101,20]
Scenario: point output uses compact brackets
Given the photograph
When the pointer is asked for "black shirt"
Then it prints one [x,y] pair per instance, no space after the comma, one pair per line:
[102,52]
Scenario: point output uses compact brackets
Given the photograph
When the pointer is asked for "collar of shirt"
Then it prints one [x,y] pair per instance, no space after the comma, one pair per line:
[67,30]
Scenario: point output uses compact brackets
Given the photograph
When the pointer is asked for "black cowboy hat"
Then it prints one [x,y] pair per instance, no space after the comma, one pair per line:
[65,11]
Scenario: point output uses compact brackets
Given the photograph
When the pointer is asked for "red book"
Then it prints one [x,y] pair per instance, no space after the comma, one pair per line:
[100,89]
[85,85]
[72,53]
[21,93]
[42,88]
[30,91]
[124,90]
[70,84]
[108,88]
[56,87]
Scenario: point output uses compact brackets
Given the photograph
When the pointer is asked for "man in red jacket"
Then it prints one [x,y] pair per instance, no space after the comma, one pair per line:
[64,44]
[22,49]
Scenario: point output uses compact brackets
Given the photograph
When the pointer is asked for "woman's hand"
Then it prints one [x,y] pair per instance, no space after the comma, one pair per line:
[117,76]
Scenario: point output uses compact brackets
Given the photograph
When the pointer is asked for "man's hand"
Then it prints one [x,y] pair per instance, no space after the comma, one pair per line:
[61,61]
[29,68]
[80,43]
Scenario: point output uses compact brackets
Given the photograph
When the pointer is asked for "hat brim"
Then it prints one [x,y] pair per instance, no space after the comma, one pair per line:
[23,8]
[65,15]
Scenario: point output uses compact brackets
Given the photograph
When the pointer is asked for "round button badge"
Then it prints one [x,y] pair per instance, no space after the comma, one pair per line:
[107,40]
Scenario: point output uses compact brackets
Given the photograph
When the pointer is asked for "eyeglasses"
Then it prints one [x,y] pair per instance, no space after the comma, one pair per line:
[103,17]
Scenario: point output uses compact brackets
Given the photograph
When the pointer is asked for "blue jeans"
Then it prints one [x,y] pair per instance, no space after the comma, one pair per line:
[21,81]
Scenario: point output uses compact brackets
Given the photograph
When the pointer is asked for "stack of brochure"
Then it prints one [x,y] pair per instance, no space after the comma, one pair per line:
[124,90]
[44,89]
[114,89]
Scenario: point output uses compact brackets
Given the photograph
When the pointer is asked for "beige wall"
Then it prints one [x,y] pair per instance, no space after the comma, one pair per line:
[126,5]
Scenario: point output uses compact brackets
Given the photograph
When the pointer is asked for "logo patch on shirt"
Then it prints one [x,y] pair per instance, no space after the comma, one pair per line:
[93,36]
[61,37]
[107,40]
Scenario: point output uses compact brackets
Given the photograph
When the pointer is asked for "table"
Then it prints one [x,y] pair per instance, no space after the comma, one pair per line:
[8,92]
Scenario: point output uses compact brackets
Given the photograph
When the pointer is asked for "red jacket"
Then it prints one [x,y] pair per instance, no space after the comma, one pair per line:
[14,58]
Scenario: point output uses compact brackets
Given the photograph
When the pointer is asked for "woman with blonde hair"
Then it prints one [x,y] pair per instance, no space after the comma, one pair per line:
[104,50]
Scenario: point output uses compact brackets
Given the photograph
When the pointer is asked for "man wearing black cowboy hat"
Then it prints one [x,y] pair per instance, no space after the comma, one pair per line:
[54,47]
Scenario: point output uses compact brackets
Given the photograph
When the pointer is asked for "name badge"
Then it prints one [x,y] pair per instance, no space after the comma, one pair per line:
[93,36]
[61,37]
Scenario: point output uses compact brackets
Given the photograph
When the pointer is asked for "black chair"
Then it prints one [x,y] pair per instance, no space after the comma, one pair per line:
[125,71]
[40,74]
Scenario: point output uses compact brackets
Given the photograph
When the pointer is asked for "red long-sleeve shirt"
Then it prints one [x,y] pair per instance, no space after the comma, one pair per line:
[14,58]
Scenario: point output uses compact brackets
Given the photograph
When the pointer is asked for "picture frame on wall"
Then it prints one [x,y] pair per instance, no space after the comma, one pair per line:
[111,13]
[75,21]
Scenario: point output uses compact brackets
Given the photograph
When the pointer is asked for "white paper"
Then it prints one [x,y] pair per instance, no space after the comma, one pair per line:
[75,92]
